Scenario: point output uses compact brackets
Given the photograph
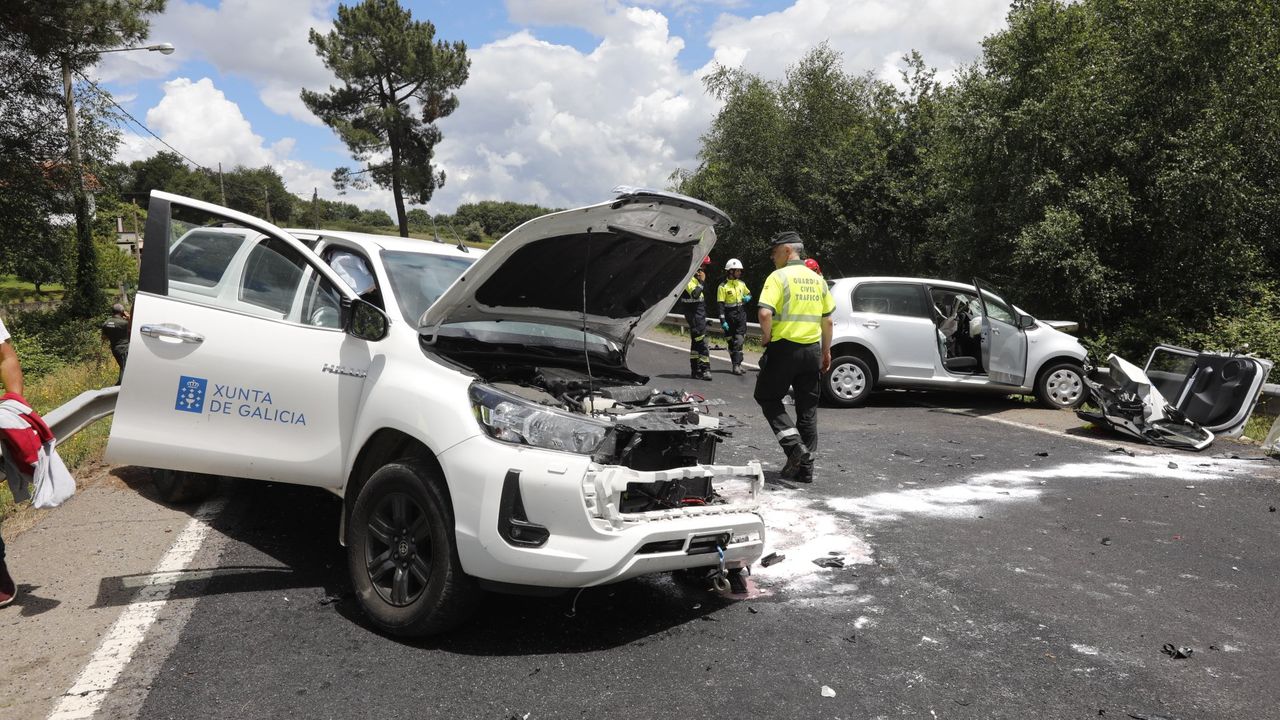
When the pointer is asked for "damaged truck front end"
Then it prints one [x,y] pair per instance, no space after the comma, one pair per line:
[604,477]
[631,488]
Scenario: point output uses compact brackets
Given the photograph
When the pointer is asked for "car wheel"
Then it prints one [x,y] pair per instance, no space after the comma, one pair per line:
[848,382]
[1061,386]
[177,487]
[402,554]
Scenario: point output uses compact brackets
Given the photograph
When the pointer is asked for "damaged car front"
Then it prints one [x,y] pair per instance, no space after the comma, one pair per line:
[583,473]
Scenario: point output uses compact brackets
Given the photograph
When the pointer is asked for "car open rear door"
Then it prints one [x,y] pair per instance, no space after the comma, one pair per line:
[1004,343]
[238,364]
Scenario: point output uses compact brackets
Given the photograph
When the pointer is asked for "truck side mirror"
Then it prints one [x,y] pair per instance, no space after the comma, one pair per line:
[364,320]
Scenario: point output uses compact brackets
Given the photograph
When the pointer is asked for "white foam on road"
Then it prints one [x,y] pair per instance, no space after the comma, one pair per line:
[130,629]
[980,492]
[805,527]
[802,529]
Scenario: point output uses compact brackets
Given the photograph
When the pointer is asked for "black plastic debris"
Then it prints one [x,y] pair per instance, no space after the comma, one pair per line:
[1106,541]
[331,599]
[1272,509]
[829,562]
[772,558]
[1126,451]
[978,456]
[899,452]
[1177,653]
[1151,717]
[752,610]
[1042,454]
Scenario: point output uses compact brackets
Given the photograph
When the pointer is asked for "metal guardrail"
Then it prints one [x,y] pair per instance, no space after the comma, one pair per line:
[79,413]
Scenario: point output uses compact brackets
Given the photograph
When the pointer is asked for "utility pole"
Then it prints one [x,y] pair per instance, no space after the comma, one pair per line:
[266,200]
[222,185]
[315,208]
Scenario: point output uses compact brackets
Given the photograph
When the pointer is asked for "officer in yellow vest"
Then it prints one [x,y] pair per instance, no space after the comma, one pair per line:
[693,305]
[795,327]
[733,296]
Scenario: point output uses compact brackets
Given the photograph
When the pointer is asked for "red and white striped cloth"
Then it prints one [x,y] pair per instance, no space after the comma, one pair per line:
[29,455]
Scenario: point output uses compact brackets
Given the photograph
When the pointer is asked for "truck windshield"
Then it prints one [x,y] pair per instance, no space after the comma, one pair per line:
[419,279]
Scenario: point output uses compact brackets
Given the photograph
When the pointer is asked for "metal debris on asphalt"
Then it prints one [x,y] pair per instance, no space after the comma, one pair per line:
[1042,454]
[772,558]
[978,456]
[1173,465]
[1126,451]
[1177,653]
[829,562]
[828,692]
[1106,541]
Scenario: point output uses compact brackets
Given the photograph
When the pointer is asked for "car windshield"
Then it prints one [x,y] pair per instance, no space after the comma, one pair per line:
[419,279]
[516,332]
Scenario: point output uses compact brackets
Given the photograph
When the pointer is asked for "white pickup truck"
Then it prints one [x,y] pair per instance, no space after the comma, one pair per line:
[474,410]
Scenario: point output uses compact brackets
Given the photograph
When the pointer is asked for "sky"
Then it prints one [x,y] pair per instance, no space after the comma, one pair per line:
[566,98]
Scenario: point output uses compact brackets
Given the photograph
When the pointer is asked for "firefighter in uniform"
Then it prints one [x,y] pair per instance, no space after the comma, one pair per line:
[795,309]
[733,296]
[693,304]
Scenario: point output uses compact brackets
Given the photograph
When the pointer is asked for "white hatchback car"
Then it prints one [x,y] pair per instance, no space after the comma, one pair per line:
[937,334]
[473,410]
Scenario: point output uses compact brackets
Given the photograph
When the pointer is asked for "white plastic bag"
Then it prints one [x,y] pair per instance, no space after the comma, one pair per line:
[53,481]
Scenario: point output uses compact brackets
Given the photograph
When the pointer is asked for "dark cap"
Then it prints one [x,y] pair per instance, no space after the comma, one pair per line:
[786,237]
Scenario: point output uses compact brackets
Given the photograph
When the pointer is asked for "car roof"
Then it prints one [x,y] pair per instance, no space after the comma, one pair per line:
[889,278]
[373,242]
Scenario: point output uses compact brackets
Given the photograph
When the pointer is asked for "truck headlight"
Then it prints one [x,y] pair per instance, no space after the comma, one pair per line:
[515,420]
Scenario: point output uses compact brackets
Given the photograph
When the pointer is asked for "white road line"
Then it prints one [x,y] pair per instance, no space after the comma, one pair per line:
[124,637]
[957,411]
[686,349]
[1047,431]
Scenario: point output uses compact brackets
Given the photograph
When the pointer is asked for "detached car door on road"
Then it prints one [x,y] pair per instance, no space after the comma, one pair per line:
[239,364]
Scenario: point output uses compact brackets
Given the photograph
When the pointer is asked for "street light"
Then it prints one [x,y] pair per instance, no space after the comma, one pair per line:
[86,285]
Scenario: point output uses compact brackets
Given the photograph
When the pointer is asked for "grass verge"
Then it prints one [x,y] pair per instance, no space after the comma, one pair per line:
[49,391]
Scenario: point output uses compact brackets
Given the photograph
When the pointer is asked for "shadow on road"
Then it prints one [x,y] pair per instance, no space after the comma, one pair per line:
[293,529]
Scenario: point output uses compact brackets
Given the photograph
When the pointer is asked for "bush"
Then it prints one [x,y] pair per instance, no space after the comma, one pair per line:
[1254,322]
[50,339]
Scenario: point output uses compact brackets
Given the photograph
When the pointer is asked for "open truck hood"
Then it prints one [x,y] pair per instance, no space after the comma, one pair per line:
[614,268]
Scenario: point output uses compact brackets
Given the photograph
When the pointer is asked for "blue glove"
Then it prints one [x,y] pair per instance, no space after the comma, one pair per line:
[725,324]
[746,299]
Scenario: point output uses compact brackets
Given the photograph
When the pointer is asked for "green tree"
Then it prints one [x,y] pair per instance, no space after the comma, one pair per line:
[1119,161]
[39,41]
[397,82]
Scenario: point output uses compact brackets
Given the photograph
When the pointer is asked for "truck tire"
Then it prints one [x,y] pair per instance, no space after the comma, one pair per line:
[402,555]
[179,488]
[849,381]
[1061,386]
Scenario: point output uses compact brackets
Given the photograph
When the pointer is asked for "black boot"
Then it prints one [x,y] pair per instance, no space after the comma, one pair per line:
[798,456]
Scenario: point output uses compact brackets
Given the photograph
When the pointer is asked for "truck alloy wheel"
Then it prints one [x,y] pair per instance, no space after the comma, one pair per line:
[401,553]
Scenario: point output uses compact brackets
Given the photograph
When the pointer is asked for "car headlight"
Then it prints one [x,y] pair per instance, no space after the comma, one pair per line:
[515,420]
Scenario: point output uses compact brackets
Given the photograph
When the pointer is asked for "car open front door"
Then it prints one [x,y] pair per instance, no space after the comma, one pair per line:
[1214,390]
[1004,343]
[238,363]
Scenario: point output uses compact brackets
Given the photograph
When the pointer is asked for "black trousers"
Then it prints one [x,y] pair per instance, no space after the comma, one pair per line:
[737,334]
[699,353]
[790,366]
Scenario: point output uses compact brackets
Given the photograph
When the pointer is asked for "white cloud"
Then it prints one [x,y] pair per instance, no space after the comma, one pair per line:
[866,32]
[263,42]
[198,119]
[580,122]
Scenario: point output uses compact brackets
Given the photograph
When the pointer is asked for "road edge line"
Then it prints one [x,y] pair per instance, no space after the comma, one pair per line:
[753,366]
[115,651]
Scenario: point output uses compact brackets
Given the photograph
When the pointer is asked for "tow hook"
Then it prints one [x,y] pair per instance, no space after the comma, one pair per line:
[721,579]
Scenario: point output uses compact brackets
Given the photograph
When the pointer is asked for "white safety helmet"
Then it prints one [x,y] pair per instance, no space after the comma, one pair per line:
[733,264]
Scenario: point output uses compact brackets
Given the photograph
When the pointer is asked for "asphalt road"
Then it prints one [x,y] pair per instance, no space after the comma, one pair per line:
[990,572]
